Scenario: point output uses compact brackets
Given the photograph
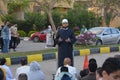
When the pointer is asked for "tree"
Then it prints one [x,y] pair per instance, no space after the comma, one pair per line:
[17,7]
[108,7]
[47,6]
[79,16]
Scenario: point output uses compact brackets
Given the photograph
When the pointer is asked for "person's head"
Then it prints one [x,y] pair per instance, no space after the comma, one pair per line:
[49,27]
[67,61]
[92,66]
[34,66]
[117,56]
[2,61]
[99,73]
[84,72]
[92,60]
[111,69]
[83,25]
[23,62]
[65,23]
[2,26]
[64,69]
[7,23]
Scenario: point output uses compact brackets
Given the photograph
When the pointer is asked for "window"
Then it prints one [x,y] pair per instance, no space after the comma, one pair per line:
[115,31]
[107,32]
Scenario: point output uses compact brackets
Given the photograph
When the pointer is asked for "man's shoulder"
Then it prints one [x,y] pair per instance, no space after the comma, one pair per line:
[23,67]
[70,67]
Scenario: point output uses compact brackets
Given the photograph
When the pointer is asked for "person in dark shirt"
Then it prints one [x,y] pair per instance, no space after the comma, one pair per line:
[65,39]
[1,39]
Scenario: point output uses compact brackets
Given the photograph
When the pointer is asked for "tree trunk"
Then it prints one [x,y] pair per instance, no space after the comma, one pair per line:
[51,21]
[104,17]
[19,14]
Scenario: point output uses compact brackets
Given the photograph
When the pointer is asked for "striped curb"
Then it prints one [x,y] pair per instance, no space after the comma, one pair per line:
[53,55]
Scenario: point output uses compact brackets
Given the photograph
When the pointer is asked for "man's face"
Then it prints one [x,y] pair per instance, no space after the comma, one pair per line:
[65,25]
[111,76]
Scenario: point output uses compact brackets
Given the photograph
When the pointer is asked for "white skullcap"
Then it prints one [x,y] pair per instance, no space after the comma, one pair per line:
[64,21]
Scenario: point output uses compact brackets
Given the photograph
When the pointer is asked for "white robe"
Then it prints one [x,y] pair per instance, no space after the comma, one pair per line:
[49,38]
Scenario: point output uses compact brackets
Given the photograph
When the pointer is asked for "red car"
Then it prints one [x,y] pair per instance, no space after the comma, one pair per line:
[39,36]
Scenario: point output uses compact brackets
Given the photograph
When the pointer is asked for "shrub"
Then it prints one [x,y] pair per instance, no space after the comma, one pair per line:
[77,32]
[86,38]
[22,33]
[31,32]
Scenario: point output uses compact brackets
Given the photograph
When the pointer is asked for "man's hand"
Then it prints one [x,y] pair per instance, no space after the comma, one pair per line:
[68,40]
[60,39]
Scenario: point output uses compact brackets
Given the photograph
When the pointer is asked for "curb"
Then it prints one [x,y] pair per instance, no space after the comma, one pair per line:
[53,55]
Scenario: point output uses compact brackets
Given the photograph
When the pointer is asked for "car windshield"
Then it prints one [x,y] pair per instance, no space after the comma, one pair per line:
[44,31]
[96,30]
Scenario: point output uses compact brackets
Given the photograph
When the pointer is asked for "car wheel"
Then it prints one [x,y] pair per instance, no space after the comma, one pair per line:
[36,39]
[99,42]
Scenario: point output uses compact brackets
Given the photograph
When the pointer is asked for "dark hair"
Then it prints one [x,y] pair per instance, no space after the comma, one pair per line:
[111,65]
[99,71]
[92,60]
[2,61]
[84,72]
[64,69]
[92,66]
[23,62]
[22,76]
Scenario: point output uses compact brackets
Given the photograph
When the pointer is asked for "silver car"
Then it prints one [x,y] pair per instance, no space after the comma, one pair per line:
[106,35]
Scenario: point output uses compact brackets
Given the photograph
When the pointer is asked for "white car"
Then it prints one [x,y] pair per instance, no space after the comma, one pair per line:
[106,35]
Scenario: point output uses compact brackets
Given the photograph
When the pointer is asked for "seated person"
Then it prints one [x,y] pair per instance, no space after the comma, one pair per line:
[71,69]
[92,71]
[9,75]
[24,68]
[35,72]
[64,74]
[111,69]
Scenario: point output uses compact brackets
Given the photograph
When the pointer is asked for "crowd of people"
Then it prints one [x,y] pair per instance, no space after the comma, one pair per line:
[8,37]
[110,70]
[65,38]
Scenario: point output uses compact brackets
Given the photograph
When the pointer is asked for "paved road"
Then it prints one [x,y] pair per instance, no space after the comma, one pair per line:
[26,46]
[49,67]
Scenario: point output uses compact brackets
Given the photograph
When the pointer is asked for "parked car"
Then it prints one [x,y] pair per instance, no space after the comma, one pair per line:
[39,36]
[106,35]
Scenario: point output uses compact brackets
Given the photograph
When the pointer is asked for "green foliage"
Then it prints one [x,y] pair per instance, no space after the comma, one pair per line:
[57,17]
[36,18]
[17,4]
[31,32]
[7,17]
[31,19]
[79,16]
[77,33]
[22,33]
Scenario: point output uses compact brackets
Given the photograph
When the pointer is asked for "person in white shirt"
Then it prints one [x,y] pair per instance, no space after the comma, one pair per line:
[22,69]
[9,75]
[71,69]
[14,36]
